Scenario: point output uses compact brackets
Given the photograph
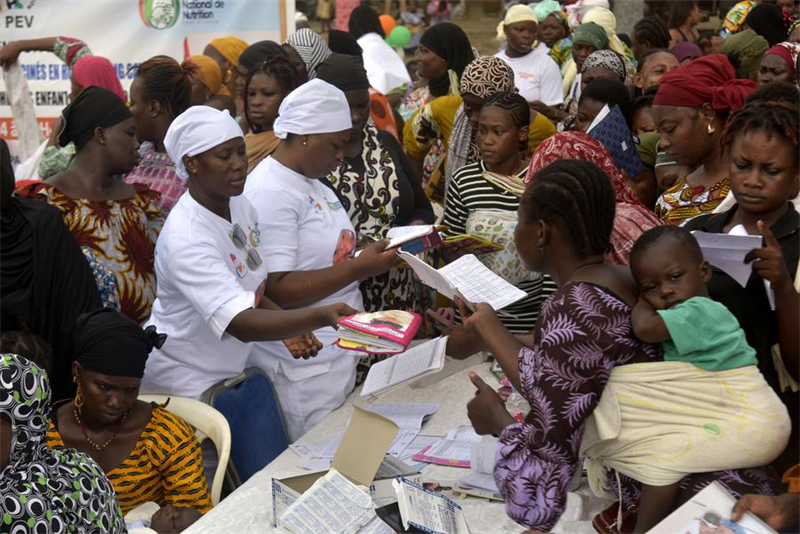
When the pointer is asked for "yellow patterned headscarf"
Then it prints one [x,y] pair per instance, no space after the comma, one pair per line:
[230,48]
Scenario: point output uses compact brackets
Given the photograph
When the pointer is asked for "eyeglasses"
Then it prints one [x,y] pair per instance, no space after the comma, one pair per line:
[239,239]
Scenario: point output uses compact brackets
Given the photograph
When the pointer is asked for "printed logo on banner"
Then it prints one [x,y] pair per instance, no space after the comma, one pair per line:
[159,14]
[17,4]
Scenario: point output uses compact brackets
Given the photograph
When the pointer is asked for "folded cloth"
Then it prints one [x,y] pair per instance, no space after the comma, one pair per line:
[658,422]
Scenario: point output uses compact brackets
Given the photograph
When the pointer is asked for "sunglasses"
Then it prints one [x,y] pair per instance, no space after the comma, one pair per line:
[239,239]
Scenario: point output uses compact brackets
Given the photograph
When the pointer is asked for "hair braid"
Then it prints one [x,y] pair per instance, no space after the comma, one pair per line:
[772,118]
[165,80]
[653,31]
[514,103]
[277,67]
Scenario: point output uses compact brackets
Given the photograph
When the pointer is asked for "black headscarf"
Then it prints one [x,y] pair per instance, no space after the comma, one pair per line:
[768,21]
[17,243]
[259,52]
[364,20]
[344,43]
[450,43]
[110,343]
[94,108]
[344,72]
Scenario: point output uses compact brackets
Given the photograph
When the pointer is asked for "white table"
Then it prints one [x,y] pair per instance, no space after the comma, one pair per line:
[248,510]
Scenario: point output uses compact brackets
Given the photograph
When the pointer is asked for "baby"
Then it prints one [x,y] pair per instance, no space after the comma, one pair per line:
[698,418]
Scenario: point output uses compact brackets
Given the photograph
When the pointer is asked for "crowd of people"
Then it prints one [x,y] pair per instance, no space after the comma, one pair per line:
[231,207]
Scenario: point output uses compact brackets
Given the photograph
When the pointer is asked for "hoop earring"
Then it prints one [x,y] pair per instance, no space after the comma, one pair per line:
[78,401]
[710,129]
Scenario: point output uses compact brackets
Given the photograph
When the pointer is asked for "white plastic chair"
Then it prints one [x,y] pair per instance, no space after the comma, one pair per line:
[208,423]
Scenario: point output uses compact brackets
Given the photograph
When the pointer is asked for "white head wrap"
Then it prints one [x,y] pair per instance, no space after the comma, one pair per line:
[313,108]
[517,13]
[196,130]
[577,10]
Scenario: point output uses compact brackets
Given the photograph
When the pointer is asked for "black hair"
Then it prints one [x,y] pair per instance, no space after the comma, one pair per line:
[653,31]
[514,103]
[679,11]
[626,39]
[772,118]
[225,103]
[705,38]
[649,54]
[165,80]
[277,67]
[611,92]
[643,102]
[364,20]
[31,346]
[576,197]
[652,236]
[775,92]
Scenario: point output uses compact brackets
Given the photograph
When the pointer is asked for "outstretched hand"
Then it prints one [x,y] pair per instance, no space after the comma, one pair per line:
[486,410]
[303,346]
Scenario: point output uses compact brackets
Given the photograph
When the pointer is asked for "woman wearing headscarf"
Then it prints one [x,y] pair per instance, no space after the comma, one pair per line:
[45,281]
[536,75]
[745,50]
[211,267]
[87,70]
[554,30]
[311,48]
[770,21]
[160,92]
[309,247]
[444,52]
[206,79]
[115,222]
[386,71]
[686,52]
[779,64]
[226,52]
[147,453]
[690,110]
[482,78]
[631,218]
[43,489]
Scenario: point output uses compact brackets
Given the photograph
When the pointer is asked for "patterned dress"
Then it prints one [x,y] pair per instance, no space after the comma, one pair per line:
[583,332]
[682,201]
[165,466]
[157,171]
[121,235]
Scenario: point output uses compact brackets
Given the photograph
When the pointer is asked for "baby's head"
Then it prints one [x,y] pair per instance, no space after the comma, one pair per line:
[668,267]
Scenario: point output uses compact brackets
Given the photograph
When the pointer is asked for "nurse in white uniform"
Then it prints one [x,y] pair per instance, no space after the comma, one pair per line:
[210,266]
[309,252]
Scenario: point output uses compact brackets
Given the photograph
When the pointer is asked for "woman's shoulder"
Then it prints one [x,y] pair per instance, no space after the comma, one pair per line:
[37,189]
[470,170]
[167,429]
[581,295]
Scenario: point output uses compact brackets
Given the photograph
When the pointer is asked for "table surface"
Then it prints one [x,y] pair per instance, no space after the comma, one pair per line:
[248,510]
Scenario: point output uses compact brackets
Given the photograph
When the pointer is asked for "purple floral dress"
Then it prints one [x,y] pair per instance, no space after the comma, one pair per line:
[582,333]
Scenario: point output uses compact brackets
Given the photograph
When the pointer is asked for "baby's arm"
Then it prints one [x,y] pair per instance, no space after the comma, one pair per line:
[648,324]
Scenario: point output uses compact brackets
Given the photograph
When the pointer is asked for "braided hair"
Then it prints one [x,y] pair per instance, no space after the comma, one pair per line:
[774,92]
[277,67]
[514,103]
[653,31]
[576,197]
[165,80]
[772,118]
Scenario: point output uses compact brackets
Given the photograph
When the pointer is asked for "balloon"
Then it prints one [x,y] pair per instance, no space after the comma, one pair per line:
[387,23]
[400,37]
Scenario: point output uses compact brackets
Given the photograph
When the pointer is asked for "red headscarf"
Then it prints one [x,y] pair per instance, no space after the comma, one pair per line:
[99,72]
[706,80]
[787,52]
[632,218]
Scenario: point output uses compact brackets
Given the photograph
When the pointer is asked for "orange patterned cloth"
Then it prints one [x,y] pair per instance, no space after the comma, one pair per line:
[792,478]
[122,236]
[381,113]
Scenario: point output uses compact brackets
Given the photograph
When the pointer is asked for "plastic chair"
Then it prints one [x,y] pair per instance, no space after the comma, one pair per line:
[208,423]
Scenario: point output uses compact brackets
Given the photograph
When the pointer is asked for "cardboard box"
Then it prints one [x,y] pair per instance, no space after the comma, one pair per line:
[361,457]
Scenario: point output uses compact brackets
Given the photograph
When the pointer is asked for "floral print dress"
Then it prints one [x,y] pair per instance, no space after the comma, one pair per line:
[120,236]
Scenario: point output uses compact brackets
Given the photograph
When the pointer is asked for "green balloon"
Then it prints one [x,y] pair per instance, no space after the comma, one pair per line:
[400,37]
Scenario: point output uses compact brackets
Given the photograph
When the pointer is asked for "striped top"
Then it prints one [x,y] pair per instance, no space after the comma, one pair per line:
[468,192]
[165,466]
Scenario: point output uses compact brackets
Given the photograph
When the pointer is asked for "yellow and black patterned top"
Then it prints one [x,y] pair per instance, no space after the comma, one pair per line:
[682,201]
[165,466]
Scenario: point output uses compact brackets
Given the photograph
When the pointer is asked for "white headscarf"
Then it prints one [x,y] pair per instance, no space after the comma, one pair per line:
[196,130]
[313,108]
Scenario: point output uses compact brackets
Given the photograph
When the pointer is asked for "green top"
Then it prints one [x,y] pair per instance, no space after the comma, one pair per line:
[705,333]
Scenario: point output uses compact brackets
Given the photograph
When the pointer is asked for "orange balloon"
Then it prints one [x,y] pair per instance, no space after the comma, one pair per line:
[388,23]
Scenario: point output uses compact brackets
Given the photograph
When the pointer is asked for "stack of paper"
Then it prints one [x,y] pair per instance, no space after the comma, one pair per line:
[454,450]
[467,278]
[409,417]
[422,360]
[480,481]
[428,511]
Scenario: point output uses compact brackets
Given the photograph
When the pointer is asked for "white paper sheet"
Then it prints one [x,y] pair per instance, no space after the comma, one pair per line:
[739,229]
[403,234]
[726,252]
[477,283]
[406,415]
[318,464]
[481,481]
[416,446]
[398,369]
[428,510]
[483,455]
[401,442]
[329,449]
[429,276]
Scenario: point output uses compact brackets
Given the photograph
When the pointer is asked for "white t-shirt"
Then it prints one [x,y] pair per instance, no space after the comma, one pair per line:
[203,283]
[308,229]
[536,76]
[385,69]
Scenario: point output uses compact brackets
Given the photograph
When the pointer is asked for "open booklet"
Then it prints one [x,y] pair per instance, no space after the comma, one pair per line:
[710,511]
[480,481]
[383,332]
[414,239]
[428,511]
[467,278]
[422,360]
[454,450]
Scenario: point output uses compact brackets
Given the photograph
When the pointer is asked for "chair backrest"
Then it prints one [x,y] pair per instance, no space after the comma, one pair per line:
[208,422]
[257,430]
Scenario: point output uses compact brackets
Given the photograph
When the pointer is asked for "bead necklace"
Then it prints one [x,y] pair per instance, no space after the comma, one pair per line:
[90,440]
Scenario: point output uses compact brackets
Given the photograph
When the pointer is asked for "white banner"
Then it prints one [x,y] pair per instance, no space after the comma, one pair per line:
[127,32]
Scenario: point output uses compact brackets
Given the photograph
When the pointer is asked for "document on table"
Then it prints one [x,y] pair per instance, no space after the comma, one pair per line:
[428,510]
[416,446]
[727,251]
[468,279]
[454,450]
[406,415]
[424,359]
[481,476]
[333,504]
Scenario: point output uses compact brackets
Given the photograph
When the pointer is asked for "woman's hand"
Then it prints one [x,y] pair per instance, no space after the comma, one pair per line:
[333,313]
[9,55]
[474,320]
[486,410]
[781,513]
[426,133]
[769,263]
[376,259]
[303,346]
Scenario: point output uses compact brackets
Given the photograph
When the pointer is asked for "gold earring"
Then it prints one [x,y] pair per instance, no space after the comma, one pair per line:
[710,129]
[228,76]
[305,143]
[78,401]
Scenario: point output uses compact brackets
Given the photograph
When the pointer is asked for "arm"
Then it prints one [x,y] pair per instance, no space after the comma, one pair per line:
[648,324]
[67,49]
[455,212]
[495,337]
[255,324]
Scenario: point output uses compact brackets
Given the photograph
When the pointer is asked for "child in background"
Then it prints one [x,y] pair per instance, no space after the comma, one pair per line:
[413,17]
[438,11]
